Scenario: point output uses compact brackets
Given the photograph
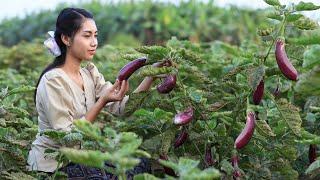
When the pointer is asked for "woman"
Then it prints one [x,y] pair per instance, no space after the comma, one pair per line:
[66,92]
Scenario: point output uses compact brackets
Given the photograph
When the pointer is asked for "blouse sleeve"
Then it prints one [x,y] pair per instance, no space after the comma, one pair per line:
[57,103]
[117,107]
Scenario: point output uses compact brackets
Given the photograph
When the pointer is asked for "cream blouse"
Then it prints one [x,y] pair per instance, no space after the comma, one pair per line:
[59,102]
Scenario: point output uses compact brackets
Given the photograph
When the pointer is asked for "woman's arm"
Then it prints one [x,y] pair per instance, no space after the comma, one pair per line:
[144,85]
[114,93]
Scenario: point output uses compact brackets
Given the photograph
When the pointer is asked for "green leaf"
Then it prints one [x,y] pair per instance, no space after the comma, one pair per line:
[290,114]
[186,165]
[226,166]
[86,157]
[275,16]
[88,129]
[255,76]
[293,17]
[306,6]
[311,57]
[145,176]
[21,89]
[314,166]
[169,164]
[54,134]
[273,2]
[309,83]
[305,23]
[264,128]
[313,38]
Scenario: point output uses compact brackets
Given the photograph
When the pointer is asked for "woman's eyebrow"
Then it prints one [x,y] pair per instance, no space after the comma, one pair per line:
[87,31]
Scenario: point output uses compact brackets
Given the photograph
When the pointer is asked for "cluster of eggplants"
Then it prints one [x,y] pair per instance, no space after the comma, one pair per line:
[168,84]
[283,61]
[184,117]
[208,156]
[130,68]
[235,162]
[167,170]
[258,93]
[312,153]
[183,136]
[246,134]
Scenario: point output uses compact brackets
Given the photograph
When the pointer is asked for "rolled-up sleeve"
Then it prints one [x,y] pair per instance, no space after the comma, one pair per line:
[57,104]
[117,107]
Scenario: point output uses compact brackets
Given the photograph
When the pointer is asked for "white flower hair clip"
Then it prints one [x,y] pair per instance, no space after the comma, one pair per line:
[52,45]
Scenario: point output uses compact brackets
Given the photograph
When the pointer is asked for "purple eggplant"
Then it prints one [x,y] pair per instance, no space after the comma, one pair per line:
[312,153]
[184,117]
[183,136]
[258,93]
[246,134]
[283,61]
[167,170]
[168,84]
[236,172]
[208,156]
[130,68]
[276,92]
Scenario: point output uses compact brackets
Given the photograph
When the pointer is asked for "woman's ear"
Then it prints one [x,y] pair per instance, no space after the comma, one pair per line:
[66,40]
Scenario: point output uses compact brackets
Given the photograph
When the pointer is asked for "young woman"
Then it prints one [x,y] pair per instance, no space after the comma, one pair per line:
[66,92]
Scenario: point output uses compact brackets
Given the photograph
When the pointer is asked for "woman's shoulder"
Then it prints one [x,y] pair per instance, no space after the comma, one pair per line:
[54,77]
[53,74]
[91,70]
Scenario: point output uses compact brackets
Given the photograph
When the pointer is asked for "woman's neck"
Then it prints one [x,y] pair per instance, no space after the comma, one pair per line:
[71,65]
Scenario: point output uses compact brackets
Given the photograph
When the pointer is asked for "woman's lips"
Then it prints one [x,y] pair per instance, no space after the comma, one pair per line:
[92,52]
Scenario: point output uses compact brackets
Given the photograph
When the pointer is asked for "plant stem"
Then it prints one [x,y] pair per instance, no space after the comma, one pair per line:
[276,35]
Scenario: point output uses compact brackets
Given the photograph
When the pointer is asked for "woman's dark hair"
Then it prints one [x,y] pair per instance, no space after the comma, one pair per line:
[68,23]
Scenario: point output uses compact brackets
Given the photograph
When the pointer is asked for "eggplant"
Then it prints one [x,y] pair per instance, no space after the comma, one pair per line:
[312,153]
[246,134]
[283,62]
[167,170]
[168,84]
[208,156]
[130,68]
[276,92]
[236,172]
[184,117]
[183,136]
[258,93]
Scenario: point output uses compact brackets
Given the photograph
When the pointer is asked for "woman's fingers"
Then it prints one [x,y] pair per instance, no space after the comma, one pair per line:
[123,88]
[116,85]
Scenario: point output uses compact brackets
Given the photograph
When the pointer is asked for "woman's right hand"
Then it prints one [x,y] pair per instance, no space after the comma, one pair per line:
[116,92]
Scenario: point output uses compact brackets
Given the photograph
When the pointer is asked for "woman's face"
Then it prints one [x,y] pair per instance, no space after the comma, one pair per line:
[85,41]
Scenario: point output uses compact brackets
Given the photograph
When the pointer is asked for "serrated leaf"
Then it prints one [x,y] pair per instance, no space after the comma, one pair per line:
[293,17]
[314,166]
[311,57]
[86,157]
[145,176]
[88,129]
[275,16]
[273,2]
[310,39]
[290,114]
[306,6]
[226,167]
[305,23]
[264,128]
[255,76]
[309,83]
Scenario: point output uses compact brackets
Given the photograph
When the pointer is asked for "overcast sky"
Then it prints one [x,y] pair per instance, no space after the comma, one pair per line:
[20,7]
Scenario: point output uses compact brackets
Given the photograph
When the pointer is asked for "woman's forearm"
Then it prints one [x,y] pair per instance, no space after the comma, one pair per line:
[145,85]
[92,114]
